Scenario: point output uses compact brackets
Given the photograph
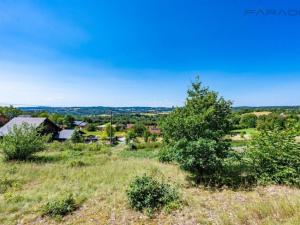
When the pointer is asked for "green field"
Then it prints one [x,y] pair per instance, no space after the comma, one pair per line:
[100,183]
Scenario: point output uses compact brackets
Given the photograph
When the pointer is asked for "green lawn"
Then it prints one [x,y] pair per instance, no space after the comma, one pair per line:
[100,188]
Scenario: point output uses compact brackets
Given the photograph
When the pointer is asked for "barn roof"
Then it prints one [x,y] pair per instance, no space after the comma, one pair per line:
[18,121]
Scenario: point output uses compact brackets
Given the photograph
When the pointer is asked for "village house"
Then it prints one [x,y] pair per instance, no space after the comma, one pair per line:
[66,134]
[45,125]
[80,124]
[101,127]
[154,130]
[129,126]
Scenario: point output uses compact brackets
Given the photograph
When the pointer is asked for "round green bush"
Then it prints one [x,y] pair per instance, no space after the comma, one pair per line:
[21,142]
[147,193]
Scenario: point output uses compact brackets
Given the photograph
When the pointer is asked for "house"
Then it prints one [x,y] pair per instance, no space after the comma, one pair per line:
[3,120]
[101,127]
[80,124]
[45,125]
[66,134]
[154,130]
[129,126]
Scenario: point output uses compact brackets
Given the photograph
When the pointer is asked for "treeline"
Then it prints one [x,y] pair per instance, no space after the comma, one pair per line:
[9,112]
[269,121]
[276,109]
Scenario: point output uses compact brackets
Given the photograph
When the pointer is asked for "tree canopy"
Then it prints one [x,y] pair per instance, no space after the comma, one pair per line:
[204,115]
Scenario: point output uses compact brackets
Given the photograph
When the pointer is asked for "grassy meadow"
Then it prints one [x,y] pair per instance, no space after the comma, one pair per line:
[98,180]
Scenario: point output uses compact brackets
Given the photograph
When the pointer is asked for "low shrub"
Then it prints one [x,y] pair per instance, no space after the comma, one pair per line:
[60,207]
[21,142]
[166,154]
[76,137]
[275,158]
[131,147]
[77,163]
[146,193]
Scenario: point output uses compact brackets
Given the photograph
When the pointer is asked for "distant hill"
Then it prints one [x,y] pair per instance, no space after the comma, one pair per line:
[97,110]
[102,110]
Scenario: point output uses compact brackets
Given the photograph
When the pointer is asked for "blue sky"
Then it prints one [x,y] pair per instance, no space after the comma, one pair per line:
[146,53]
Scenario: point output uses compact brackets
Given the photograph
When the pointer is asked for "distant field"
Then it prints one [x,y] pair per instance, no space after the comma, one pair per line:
[264,113]
[100,186]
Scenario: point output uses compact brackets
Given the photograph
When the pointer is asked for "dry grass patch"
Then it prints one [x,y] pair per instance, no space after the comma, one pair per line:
[101,189]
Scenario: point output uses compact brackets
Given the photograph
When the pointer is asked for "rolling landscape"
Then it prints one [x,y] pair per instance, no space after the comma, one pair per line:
[86,178]
[153,112]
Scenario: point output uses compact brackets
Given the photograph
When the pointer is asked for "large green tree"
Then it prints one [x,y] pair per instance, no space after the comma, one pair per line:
[194,133]
[204,115]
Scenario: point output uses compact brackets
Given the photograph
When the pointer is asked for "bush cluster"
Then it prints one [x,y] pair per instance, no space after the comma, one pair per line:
[77,163]
[60,207]
[146,193]
[21,142]
[274,157]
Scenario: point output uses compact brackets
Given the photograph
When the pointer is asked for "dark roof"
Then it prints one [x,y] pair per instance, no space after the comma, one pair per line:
[80,123]
[65,134]
[18,121]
